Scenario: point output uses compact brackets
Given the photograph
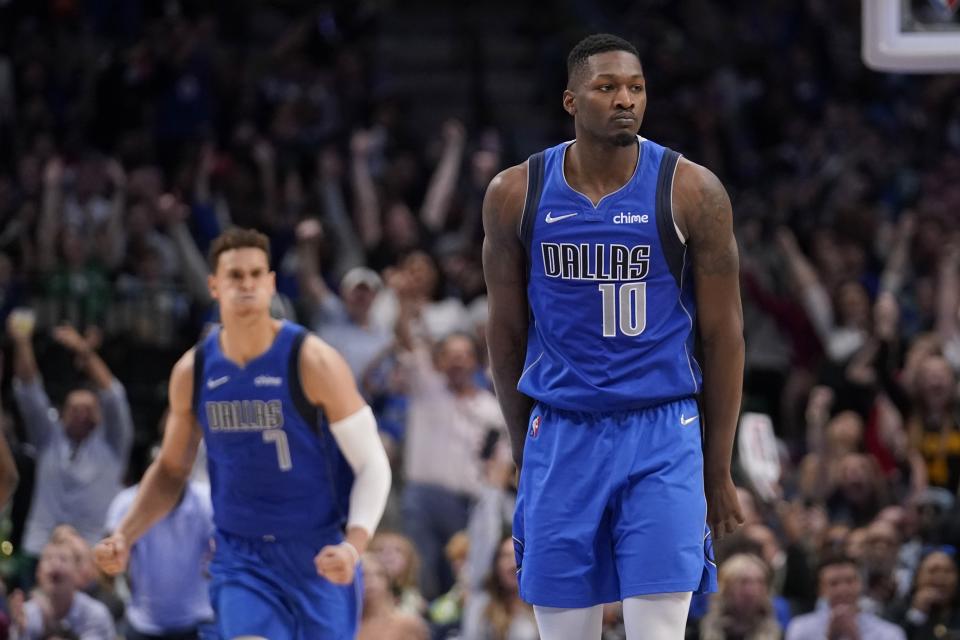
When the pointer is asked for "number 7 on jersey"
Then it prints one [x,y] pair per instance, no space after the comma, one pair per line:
[279,438]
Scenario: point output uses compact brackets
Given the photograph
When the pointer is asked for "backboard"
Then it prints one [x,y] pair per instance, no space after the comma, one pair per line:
[920,36]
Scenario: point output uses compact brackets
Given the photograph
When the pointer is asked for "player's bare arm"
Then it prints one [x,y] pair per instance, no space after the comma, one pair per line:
[705,216]
[504,267]
[166,477]
[329,384]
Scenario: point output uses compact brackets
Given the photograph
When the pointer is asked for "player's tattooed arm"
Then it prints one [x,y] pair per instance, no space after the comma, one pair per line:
[703,212]
[504,267]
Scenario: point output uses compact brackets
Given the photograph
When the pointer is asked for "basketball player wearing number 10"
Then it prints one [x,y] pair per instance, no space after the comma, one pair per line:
[293,455]
[603,256]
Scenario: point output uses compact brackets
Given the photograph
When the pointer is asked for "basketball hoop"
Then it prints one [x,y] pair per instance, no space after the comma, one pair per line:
[919,36]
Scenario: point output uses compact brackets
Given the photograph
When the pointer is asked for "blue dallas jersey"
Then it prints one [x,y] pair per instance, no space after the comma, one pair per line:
[610,291]
[275,469]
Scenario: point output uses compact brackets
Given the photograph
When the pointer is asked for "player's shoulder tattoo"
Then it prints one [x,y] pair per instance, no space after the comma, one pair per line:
[709,220]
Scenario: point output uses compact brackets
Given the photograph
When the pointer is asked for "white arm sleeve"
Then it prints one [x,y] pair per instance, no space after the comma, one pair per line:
[357,437]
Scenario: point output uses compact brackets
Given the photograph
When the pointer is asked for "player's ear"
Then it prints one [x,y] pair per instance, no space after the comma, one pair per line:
[570,102]
[212,286]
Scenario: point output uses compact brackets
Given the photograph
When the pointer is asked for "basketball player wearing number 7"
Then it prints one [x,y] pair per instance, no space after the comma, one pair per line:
[293,455]
[604,257]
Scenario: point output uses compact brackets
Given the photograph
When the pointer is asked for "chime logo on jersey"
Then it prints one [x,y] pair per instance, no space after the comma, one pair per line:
[535,427]
[629,217]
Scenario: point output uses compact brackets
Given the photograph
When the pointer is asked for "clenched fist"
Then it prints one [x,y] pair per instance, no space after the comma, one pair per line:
[337,562]
[112,554]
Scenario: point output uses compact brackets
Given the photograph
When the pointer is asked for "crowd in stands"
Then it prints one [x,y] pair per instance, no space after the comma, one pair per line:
[132,133]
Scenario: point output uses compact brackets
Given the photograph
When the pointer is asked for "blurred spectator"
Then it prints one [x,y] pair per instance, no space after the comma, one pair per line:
[9,476]
[742,608]
[83,452]
[398,557]
[878,562]
[79,240]
[449,418]
[497,612]
[492,515]
[344,321]
[410,298]
[860,492]
[933,609]
[933,425]
[57,608]
[167,577]
[89,580]
[840,588]
[381,618]
[446,612]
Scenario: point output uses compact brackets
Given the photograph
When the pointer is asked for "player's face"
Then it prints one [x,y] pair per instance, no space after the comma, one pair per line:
[608,98]
[243,284]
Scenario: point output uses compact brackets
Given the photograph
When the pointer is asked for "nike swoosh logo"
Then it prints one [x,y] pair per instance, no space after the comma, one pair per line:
[687,421]
[552,218]
[213,384]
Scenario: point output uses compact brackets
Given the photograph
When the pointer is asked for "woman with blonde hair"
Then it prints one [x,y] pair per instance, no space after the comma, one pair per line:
[382,619]
[742,608]
[399,557]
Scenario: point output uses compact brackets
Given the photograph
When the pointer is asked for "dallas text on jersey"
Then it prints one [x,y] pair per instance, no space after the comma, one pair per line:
[244,415]
[613,262]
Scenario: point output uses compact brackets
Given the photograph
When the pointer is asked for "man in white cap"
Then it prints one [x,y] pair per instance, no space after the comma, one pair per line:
[344,322]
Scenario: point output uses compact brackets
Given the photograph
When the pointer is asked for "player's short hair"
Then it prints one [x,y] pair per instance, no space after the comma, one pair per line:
[591,46]
[237,238]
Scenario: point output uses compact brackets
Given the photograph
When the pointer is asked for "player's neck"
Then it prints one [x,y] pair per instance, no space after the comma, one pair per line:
[597,168]
[243,339]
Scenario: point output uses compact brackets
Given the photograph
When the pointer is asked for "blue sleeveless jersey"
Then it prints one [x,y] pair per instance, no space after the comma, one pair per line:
[275,470]
[610,291]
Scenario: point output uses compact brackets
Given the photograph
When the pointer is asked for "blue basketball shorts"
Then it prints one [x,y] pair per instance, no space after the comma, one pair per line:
[271,589]
[611,505]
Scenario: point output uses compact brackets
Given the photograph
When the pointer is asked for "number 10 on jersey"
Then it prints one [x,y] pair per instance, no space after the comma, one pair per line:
[626,308]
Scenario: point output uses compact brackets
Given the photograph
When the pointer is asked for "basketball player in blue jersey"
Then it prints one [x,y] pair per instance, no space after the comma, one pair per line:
[293,456]
[604,258]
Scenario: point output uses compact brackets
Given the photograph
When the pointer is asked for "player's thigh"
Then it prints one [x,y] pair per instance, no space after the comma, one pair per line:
[244,611]
[562,525]
[659,515]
